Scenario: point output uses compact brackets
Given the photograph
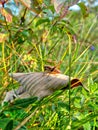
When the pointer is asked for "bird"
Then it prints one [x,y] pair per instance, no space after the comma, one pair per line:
[40,84]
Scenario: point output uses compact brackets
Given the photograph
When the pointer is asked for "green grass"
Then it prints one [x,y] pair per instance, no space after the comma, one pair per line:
[52,43]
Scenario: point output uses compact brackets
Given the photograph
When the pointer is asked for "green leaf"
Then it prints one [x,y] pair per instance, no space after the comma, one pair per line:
[77,103]
[6,124]
[22,103]
[63,105]
[41,21]
[47,2]
[83,9]
[79,123]
[87,126]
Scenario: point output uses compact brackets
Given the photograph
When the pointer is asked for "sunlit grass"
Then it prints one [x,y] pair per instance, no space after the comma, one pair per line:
[51,44]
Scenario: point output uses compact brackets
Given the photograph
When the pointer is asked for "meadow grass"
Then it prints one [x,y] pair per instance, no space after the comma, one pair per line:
[74,48]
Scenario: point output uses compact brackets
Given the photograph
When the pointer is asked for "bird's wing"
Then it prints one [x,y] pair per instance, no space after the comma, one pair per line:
[41,84]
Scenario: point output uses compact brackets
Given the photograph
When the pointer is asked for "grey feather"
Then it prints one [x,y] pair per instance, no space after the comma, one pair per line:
[38,84]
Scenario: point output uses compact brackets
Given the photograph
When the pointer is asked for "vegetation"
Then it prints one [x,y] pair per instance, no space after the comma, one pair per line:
[46,32]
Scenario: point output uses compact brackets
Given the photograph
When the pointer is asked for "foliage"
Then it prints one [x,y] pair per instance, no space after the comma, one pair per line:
[48,32]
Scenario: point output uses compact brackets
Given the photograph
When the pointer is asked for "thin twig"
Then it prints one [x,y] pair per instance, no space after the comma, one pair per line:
[25,120]
[23,17]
